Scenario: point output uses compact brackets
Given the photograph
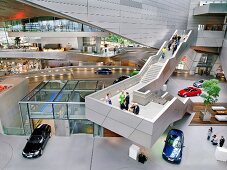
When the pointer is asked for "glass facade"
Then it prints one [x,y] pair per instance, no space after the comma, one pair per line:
[59,99]
[47,24]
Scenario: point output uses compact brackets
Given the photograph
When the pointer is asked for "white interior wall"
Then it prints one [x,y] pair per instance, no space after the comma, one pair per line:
[63,41]
[149,22]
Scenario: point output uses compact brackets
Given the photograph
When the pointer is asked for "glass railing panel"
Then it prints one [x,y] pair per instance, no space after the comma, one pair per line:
[13,130]
[40,110]
[60,111]
[76,111]
[25,118]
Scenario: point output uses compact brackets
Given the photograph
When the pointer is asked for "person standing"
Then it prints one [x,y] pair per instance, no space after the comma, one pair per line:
[127,99]
[163,52]
[122,100]
[210,130]
[222,141]
[114,50]
[108,100]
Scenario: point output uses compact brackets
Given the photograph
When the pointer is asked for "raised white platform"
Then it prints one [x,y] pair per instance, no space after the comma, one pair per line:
[221,118]
[221,154]
[218,108]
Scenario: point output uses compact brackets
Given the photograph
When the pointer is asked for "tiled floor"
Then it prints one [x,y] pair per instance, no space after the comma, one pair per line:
[82,152]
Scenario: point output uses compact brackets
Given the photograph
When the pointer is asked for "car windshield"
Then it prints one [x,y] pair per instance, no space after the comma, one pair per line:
[35,139]
[187,89]
[174,141]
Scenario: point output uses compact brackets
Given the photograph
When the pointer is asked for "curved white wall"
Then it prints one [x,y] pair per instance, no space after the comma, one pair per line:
[149,22]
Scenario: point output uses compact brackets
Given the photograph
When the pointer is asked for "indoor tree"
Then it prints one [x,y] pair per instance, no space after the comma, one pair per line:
[211,89]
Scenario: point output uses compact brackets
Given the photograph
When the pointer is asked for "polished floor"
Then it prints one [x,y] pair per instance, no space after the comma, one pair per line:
[83,152]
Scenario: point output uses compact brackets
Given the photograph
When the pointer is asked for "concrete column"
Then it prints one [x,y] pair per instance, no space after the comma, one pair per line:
[98,44]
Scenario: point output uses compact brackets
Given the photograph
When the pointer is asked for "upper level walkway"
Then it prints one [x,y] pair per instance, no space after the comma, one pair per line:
[212,8]
[157,108]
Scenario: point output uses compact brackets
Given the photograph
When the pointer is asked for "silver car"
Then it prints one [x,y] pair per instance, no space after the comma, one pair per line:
[199,83]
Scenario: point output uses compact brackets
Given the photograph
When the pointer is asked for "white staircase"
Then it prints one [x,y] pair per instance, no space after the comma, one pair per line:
[152,73]
[156,114]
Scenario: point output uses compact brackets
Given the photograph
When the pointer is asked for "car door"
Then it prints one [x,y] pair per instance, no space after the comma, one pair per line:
[193,92]
[45,136]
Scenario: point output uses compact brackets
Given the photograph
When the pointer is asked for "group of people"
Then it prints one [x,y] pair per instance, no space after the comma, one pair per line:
[124,101]
[214,139]
[174,43]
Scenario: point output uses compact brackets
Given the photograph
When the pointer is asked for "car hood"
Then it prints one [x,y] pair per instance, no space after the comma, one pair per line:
[172,152]
[182,91]
[32,147]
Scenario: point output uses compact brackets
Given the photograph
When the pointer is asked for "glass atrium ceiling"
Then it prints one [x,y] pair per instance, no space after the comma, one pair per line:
[63,91]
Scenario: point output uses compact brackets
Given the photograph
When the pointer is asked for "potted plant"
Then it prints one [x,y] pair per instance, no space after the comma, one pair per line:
[212,90]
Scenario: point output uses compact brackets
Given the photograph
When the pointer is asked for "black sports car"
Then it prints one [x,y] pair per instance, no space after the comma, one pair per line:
[37,141]
[121,79]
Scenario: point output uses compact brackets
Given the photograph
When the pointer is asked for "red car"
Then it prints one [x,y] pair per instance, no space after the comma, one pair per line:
[189,91]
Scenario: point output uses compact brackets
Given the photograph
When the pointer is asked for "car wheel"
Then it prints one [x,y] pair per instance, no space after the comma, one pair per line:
[185,95]
[41,152]
[198,94]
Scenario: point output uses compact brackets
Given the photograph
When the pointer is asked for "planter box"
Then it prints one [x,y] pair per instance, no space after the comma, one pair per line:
[205,116]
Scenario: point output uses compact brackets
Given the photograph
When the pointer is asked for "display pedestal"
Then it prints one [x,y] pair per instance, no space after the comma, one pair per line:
[221,154]
[164,87]
[134,151]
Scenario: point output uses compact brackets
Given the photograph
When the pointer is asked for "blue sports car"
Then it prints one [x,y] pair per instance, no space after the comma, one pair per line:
[172,151]
[104,71]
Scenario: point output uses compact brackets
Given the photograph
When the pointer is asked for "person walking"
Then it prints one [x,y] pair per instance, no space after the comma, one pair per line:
[210,130]
[163,52]
[174,47]
[170,44]
[122,100]
[108,100]
[222,141]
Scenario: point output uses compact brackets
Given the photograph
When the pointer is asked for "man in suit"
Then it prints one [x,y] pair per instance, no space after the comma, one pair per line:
[222,141]
[127,99]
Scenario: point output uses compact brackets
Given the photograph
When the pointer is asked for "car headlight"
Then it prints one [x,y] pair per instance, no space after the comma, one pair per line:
[37,152]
